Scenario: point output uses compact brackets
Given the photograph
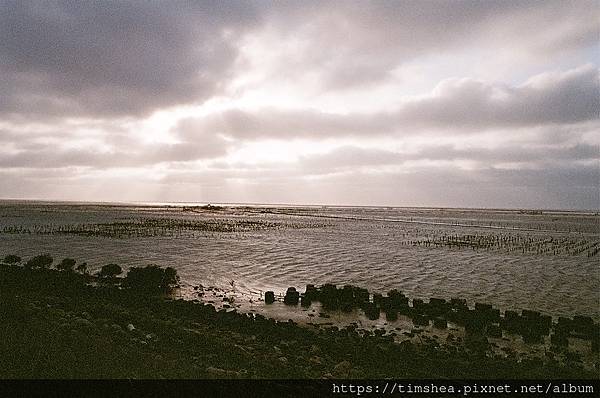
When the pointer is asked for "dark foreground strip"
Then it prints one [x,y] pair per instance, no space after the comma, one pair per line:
[296,388]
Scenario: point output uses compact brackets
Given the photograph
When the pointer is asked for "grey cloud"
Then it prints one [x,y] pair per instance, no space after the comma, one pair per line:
[559,186]
[275,123]
[362,42]
[115,58]
[463,105]
[514,153]
[349,157]
[561,98]
[68,58]
[45,156]
[74,73]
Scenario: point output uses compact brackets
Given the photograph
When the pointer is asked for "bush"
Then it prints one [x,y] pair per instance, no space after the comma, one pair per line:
[151,279]
[66,264]
[12,259]
[110,271]
[41,261]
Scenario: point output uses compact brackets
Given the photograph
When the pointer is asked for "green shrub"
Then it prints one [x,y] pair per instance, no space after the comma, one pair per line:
[41,261]
[151,278]
[66,264]
[12,259]
[110,271]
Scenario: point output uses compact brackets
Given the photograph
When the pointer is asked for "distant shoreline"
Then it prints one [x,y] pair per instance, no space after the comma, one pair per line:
[525,210]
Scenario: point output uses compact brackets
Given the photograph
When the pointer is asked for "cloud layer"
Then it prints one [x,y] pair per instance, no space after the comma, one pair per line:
[398,103]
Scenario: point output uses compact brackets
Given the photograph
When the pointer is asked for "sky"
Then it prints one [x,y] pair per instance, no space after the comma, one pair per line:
[491,104]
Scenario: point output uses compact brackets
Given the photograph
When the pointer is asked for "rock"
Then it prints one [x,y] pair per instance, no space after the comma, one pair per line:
[437,302]
[311,292]
[372,311]
[305,301]
[377,298]
[531,337]
[418,305]
[283,360]
[130,327]
[530,314]
[361,295]
[269,297]
[565,324]
[221,373]
[458,303]
[494,331]
[440,323]
[329,297]
[292,297]
[346,297]
[476,342]
[420,320]
[583,325]
[83,323]
[437,307]
[559,339]
[407,346]
[315,360]
[511,314]
[391,315]
[342,370]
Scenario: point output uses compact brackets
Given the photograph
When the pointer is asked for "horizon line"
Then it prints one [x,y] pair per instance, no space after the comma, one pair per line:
[216,203]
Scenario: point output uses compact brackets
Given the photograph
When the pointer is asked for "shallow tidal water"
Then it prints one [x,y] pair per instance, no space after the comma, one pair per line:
[514,260]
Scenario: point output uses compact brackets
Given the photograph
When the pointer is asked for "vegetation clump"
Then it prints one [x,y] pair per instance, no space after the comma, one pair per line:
[66,264]
[110,271]
[41,261]
[12,259]
[151,279]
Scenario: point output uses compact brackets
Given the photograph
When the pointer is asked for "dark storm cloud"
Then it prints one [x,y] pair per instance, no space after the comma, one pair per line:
[115,58]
